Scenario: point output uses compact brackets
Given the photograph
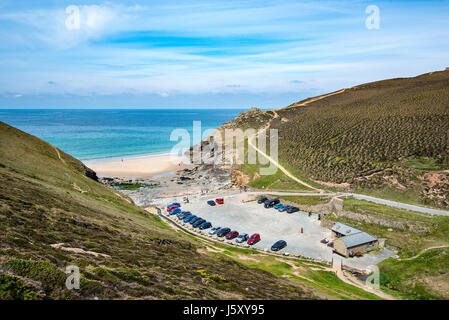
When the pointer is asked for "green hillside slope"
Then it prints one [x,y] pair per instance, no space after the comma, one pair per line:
[52,215]
[389,138]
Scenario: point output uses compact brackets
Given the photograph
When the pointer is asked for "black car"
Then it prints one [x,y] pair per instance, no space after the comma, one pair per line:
[262,200]
[205,225]
[194,220]
[271,203]
[279,245]
[211,202]
[198,222]
[223,231]
[292,209]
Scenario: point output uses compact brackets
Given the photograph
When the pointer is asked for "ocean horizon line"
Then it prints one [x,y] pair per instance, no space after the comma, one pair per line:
[130,109]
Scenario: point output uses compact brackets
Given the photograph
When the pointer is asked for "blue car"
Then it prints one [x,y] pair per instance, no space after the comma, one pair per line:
[279,205]
[284,208]
[205,225]
[175,211]
[189,218]
[176,204]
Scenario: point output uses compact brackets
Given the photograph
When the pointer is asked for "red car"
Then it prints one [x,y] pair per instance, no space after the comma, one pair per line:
[231,235]
[219,200]
[171,208]
[254,239]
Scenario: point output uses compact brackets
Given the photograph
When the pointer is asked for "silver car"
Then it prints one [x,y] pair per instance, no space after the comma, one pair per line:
[214,230]
[242,238]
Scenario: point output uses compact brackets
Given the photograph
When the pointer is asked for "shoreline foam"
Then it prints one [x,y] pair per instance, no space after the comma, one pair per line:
[144,166]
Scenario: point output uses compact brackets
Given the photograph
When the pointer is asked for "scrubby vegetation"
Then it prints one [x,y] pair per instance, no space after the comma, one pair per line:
[305,200]
[391,134]
[52,216]
[424,277]
[13,288]
[313,275]
[411,234]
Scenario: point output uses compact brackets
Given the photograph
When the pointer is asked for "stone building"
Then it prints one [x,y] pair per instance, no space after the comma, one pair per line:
[349,240]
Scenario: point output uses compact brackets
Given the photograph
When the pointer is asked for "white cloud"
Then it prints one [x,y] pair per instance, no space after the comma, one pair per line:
[322,44]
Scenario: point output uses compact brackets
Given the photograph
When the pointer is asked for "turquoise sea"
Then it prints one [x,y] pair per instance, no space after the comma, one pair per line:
[108,134]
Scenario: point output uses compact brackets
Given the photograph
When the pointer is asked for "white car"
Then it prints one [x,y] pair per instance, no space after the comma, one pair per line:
[214,230]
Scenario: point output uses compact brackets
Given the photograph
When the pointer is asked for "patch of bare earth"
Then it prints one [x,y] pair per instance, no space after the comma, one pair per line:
[239,178]
[208,249]
[343,185]
[78,250]
[438,285]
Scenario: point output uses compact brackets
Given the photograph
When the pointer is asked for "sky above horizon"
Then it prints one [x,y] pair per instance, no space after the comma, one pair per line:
[206,54]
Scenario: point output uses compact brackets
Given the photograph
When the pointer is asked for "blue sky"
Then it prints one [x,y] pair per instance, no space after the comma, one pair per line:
[157,54]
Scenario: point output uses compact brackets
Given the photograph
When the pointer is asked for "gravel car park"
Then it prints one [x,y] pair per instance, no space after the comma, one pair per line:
[272,225]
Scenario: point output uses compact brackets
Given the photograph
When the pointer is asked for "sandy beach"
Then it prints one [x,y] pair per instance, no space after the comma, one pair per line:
[138,167]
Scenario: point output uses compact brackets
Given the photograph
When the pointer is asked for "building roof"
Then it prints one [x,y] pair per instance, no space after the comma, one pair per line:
[345,229]
[357,239]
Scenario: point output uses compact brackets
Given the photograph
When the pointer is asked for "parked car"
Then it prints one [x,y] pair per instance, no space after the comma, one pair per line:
[223,231]
[214,230]
[262,200]
[254,239]
[219,200]
[292,209]
[242,238]
[211,202]
[194,220]
[283,208]
[271,203]
[279,245]
[278,205]
[189,218]
[205,225]
[179,214]
[176,204]
[184,214]
[170,208]
[231,235]
[198,222]
[325,240]
[174,211]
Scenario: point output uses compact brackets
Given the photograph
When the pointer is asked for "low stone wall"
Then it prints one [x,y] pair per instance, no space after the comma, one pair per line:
[325,223]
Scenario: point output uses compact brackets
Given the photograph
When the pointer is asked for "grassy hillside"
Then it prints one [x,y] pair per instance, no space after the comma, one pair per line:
[52,215]
[390,138]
